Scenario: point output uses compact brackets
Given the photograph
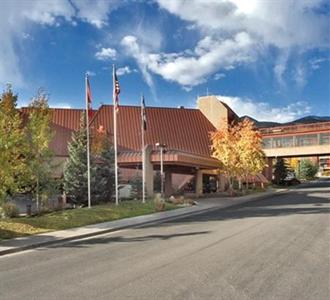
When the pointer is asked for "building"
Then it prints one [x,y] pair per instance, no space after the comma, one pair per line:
[185,134]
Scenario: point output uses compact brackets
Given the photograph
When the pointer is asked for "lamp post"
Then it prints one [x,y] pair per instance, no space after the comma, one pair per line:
[161,149]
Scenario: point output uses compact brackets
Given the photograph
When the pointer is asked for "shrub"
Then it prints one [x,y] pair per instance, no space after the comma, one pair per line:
[159,203]
[10,210]
[307,169]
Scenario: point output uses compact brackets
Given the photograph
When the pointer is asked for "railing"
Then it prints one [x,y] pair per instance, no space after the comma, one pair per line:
[295,128]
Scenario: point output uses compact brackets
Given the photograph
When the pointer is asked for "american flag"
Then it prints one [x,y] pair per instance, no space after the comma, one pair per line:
[89,98]
[116,90]
[143,114]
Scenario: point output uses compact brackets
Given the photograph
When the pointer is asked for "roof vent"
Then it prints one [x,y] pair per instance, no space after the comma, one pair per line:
[181,107]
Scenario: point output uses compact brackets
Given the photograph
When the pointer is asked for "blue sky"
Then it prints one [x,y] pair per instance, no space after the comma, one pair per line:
[266,59]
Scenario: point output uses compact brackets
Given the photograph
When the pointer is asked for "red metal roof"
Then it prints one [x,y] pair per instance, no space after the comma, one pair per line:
[178,128]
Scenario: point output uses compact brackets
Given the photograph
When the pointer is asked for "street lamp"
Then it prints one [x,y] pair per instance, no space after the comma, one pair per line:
[161,148]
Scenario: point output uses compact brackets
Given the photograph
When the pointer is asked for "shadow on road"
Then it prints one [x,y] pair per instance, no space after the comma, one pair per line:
[121,239]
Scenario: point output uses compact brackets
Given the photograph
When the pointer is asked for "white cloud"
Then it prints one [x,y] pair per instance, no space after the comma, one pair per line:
[125,70]
[299,75]
[94,12]
[263,111]
[106,54]
[315,63]
[60,105]
[187,69]
[17,18]
[280,66]
[288,26]
[218,76]
[280,23]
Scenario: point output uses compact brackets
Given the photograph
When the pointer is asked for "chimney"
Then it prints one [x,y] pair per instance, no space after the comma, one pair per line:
[214,110]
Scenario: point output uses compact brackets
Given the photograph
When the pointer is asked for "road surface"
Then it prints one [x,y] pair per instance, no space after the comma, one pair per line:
[276,248]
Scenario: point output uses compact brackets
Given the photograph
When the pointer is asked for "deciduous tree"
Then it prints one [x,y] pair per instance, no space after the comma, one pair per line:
[238,148]
[13,146]
[39,136]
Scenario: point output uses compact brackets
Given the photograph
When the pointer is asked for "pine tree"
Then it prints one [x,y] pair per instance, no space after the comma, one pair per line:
[13,146]
[307,170]
[105,173]
[75,170]
[280,171]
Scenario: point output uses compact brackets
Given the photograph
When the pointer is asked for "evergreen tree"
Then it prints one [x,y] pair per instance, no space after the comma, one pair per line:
[136,183]
[75,170]
[307,170]
[105,173]
[13,146]
[280,171]
[39,135]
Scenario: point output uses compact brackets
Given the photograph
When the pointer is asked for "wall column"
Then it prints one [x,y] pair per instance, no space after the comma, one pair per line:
[168,189]
[199,183]
[149,172]
[268,171]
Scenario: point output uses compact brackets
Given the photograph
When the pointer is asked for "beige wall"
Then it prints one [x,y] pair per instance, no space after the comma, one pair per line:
[298,151]
[214,111]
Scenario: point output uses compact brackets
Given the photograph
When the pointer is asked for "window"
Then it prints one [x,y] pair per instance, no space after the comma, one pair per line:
[267,143]
[283,142]
[307,140]
[325,138]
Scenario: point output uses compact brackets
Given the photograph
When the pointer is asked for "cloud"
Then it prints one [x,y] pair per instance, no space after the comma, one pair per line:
[315,63]
[280,66]
[263,111]
[18,17]
[106,54]
[190,69]
[299,75]
[288,26]
[60,105]
[125,70]
[284,23]
[94,12]
[218,76]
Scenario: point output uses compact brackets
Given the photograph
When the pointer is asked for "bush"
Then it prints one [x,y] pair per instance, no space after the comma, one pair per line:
[10,210]
[307,169]
[159,203]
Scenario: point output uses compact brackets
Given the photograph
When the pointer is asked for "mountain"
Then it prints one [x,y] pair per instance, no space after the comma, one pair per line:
[304,120]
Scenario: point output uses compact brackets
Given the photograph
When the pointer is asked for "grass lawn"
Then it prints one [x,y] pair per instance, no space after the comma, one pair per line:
[64,219]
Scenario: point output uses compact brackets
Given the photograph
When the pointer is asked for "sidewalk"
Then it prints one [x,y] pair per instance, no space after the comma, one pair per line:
[49,238]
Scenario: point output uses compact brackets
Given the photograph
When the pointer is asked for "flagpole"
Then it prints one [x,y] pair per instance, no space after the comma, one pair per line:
[88,156]
[115,133]
[143,152]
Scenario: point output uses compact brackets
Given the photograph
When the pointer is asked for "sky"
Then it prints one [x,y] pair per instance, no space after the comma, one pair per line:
[266,59]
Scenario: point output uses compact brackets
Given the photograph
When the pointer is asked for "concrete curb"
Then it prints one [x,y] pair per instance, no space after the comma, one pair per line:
[60,237]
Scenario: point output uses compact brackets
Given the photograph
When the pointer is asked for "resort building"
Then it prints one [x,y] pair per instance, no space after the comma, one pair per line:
[184,134]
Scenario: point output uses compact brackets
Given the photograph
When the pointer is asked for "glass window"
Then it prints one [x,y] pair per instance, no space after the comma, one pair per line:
[267,143]
[283,142]
[307,140]
[325,138]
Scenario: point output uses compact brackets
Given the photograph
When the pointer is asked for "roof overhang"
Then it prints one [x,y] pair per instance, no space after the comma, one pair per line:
[170,157]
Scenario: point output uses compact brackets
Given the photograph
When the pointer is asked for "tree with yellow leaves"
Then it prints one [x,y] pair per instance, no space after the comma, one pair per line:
[238,148]
[224,142]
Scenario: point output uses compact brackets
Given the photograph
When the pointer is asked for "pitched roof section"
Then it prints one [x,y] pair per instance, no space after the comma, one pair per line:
[65,117]
[179,128]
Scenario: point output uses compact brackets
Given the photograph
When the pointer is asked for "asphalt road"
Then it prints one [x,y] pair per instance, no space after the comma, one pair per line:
[269,249]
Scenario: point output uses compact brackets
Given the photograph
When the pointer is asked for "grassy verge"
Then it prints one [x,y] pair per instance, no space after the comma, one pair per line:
[59,220]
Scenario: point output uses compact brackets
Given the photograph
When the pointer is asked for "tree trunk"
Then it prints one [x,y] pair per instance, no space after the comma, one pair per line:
[37,195]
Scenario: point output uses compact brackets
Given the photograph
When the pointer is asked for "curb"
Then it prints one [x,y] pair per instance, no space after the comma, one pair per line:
[142,224]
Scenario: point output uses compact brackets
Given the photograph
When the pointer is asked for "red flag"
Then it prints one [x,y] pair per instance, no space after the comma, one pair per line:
[116,90]
[89,98]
